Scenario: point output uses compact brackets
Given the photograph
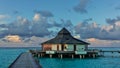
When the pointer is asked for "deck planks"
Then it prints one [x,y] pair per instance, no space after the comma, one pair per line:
[25,60]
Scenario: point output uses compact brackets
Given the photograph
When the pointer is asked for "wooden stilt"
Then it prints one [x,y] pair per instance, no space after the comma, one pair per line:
[58,56]
[89,55]
[39,55]
[61,56]
[72,56]
[50,55]
[93,55]
[80,56]
[83,56]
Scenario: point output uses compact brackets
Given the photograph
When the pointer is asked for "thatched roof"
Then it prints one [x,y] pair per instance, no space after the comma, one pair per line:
[64,37]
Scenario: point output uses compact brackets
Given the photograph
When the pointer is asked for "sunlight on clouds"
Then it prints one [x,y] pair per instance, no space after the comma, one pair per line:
[13,38]
[97,42]
[117,23]
[107,28]
[4,17]
[77,36]
[91,40]
[36,17]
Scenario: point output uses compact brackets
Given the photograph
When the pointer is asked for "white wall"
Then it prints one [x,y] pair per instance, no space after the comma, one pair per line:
[54,46]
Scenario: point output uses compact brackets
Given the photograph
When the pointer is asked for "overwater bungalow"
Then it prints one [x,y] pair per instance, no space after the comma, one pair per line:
[64,41]
[64,44]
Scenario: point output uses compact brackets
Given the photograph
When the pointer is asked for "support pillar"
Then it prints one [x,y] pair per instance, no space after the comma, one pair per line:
[39,55]
[72,56]
[61,56]
[93,55]
[83,56]
[89,55]
[80,56]
[50,55]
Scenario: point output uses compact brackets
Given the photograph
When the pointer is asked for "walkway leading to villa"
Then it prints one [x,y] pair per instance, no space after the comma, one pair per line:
[25,60]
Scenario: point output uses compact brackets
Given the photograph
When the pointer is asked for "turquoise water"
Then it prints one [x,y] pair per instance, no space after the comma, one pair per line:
[8,55]
[81,63]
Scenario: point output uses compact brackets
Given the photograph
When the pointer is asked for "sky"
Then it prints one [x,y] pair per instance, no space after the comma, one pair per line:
[95,21]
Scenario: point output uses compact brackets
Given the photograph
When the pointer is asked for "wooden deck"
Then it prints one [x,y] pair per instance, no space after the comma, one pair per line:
[64,54]
[25,60]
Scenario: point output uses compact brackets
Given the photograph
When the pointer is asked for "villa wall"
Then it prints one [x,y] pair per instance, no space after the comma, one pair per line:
[80,47]
[67,47]
[70,47]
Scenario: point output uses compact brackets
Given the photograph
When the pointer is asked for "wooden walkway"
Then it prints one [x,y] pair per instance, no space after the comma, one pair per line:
[25,60]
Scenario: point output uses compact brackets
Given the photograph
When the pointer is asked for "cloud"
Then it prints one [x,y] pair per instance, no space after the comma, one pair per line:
[36,17]
[81,7]
[89,19]
[87,30]
[17,41]
[67,24]
[39,26]
[93,30]
[112,21]
[45,13]
[2,17]
[13,38]
[105,43]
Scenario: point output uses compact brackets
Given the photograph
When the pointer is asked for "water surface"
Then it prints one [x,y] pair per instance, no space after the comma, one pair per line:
[8,55]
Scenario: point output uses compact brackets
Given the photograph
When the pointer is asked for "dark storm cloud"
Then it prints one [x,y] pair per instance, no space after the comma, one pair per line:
[81,7]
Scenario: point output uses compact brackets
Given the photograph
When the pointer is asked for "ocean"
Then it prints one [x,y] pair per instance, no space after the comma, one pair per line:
[112,60]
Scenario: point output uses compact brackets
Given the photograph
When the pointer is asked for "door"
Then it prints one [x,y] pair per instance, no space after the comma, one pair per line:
[74,47]
[62,47]
[57,47]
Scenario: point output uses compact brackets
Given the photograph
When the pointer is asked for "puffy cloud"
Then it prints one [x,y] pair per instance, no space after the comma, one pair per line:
[87,30]
[93,30]
[17,41]
[36,17]
[13,38]
[81,7]
[112,21]
[19,27]
[104,43]
[4,17]
[39,26]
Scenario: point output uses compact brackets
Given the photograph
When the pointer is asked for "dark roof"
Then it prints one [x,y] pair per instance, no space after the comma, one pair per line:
[64,37]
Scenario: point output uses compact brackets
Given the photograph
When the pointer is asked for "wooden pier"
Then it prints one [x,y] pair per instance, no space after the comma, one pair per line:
[25,60]
[103,52]
[65,54]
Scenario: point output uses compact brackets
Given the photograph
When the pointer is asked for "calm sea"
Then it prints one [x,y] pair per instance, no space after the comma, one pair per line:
[8,55]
